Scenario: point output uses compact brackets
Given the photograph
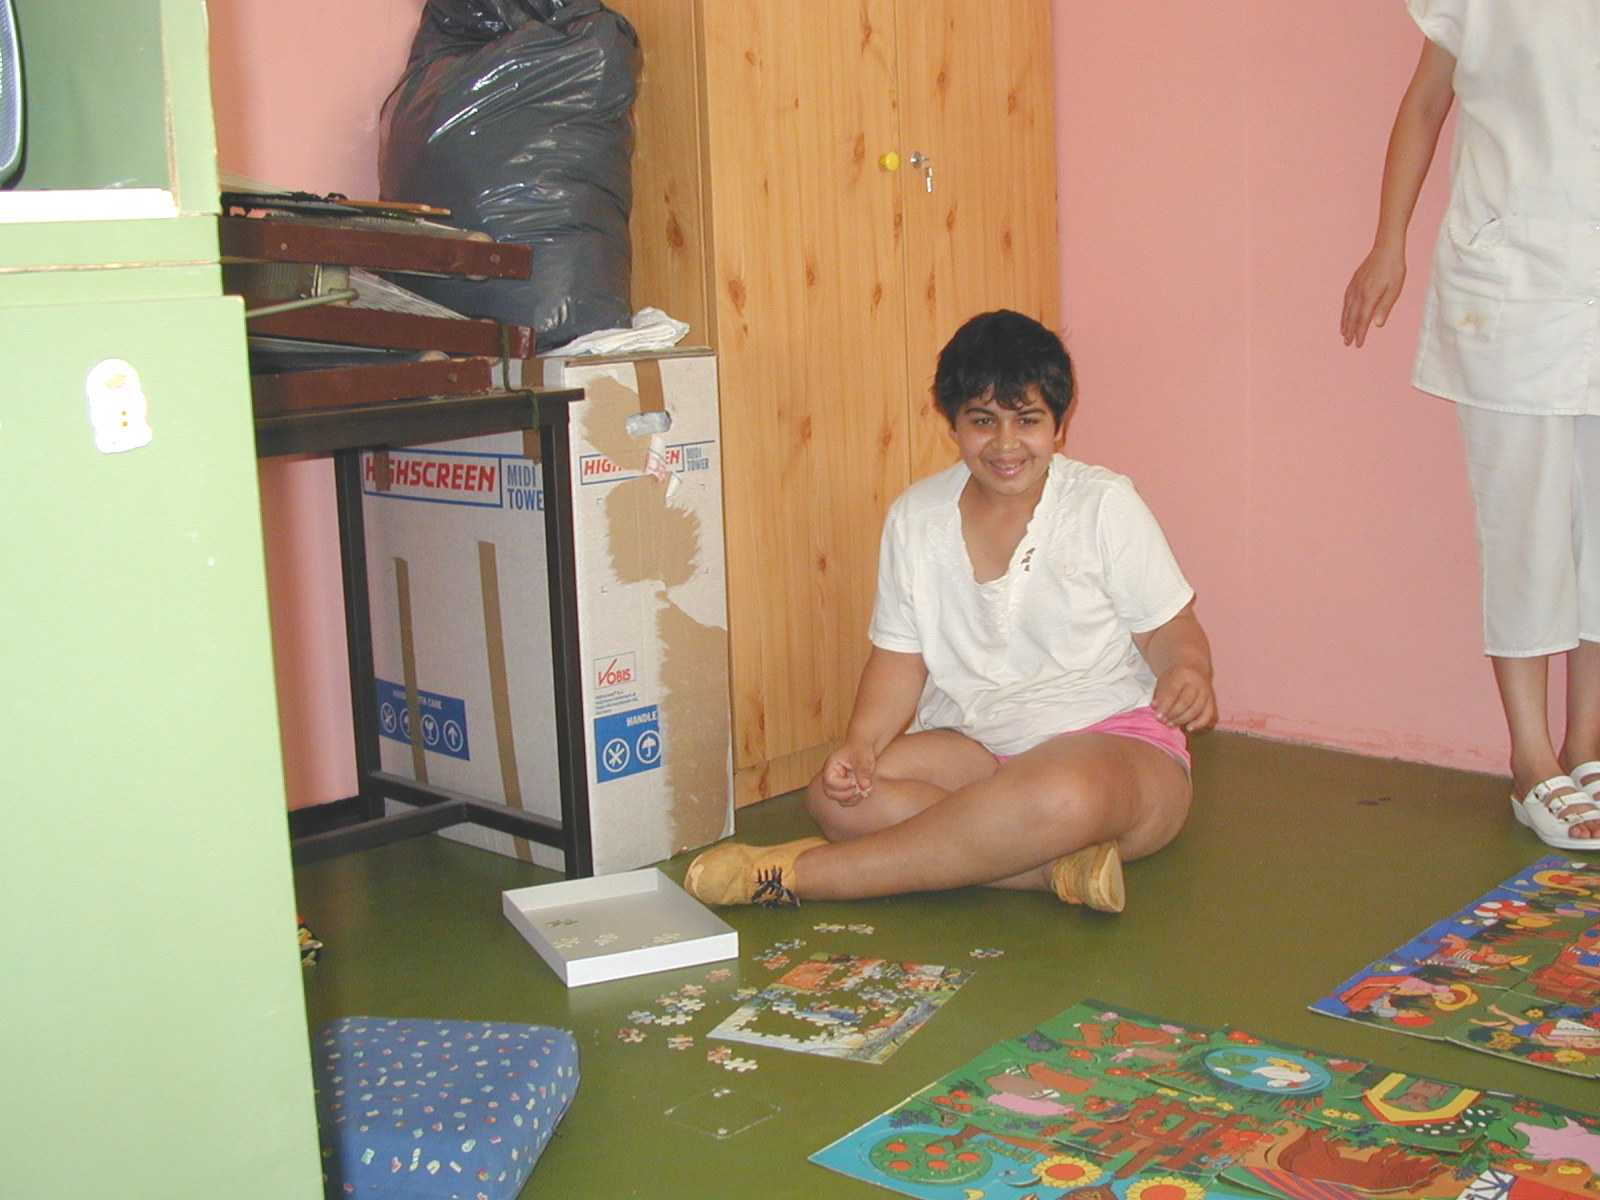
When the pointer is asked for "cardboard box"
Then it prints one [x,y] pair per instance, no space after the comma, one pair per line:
[614,926]
[460,605]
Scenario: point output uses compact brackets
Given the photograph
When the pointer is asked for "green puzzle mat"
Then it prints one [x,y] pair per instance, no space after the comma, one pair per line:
[1102,1103]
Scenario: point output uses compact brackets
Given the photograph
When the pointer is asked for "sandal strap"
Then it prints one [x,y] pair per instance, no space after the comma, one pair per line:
[1558,806]
[1590,768]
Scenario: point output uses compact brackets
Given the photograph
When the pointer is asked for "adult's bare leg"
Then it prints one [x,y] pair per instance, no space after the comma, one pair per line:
[1581,743]
[1523,683]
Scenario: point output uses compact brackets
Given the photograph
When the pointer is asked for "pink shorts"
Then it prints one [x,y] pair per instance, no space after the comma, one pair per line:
[1143,725]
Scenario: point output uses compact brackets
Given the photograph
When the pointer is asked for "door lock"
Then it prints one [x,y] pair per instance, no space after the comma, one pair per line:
[923,163]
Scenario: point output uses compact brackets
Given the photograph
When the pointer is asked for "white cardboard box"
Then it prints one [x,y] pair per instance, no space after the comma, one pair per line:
[460,605]
[614,926]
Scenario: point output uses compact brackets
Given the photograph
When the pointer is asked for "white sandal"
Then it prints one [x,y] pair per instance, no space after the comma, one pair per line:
[1550,816]
[1590,769]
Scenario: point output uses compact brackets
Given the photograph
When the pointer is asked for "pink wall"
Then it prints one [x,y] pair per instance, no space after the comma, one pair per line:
[297,86]
[1219,174]
[1219,178]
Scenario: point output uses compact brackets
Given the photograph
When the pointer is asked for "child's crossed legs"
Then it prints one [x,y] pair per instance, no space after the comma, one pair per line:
[944,814]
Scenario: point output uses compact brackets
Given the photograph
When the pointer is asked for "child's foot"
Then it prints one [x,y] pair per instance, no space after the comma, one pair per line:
[733,873]
[1091,876]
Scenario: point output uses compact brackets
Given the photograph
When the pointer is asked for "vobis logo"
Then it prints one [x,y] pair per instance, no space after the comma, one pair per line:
[615,671]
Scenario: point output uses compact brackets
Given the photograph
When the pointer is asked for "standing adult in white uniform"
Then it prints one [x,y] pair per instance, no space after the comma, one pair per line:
[1510,333]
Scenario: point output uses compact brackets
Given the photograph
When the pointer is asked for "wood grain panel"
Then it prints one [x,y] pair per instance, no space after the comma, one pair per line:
[667,225]
[768,779]
[810,313]
[976,84]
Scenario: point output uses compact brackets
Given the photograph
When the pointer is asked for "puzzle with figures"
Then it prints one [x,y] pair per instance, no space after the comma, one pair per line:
[1515,973]
[1102,1103]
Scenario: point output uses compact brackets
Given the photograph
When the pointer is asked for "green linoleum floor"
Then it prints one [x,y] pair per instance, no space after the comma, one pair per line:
[1298,866]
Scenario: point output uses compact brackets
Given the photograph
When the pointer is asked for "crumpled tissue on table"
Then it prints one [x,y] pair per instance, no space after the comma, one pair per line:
[652,329]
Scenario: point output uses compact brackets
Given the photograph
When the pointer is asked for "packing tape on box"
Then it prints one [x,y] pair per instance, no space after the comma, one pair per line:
[494,647]
[657,466]
[653,416]
[408,668]
[652,397]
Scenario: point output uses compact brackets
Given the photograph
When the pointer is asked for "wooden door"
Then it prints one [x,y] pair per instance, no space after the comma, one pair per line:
[809,310]
[827,286]
[977,98]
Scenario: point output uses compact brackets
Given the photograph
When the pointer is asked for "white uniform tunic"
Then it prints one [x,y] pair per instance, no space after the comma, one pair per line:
[1047,648]
[1512,318]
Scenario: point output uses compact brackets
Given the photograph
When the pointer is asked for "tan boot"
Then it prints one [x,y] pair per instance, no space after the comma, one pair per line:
[733,873]
[1091,876]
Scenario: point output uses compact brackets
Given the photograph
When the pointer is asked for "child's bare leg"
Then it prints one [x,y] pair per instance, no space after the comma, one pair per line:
[1073,791]
[914,771]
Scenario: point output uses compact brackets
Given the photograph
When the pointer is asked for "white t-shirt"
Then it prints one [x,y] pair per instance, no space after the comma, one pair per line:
[1512,319]
[1048,647]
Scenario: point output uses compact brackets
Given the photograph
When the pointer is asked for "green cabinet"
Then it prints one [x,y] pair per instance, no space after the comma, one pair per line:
[154,1018]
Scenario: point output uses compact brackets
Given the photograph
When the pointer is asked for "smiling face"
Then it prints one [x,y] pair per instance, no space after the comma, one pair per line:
[1008,450]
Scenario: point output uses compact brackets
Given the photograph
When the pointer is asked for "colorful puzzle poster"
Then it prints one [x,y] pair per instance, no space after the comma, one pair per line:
[1102,1103]
[843,1006]
[1515,973]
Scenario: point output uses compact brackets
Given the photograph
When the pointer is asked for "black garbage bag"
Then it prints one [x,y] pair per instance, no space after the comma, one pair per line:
[514,114]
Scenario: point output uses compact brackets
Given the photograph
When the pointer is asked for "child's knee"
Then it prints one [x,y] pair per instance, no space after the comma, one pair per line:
[1138,800]
[1163,810]
[835,821]
[821,808]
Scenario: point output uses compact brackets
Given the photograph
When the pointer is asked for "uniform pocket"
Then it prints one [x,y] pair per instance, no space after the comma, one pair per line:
[1470,276]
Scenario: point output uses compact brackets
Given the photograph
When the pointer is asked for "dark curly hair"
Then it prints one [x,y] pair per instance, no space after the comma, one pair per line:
[1003,355]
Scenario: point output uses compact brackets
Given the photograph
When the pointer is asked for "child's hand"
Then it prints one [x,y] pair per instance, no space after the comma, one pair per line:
[847,775]
[1184,698]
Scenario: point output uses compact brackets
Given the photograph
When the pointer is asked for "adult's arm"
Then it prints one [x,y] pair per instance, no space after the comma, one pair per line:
[1377,282]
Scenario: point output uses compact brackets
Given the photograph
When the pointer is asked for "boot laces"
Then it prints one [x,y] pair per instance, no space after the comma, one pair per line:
[770,892]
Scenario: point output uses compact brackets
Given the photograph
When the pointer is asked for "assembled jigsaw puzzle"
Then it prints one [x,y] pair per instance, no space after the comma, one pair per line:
[1515,973]
[843,1006]
[1100,1103]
